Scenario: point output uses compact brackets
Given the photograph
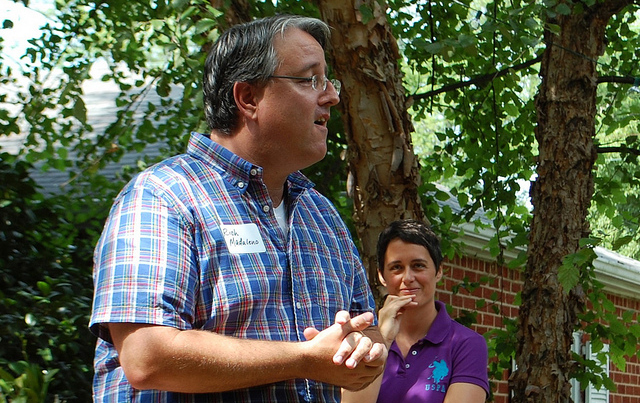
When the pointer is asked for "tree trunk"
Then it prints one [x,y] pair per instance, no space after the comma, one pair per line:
[561,195]
[235,12]
[383,173]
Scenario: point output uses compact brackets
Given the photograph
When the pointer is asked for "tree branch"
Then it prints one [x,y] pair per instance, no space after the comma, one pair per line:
[479,80]
[614,79]
[621,150]
[485,78]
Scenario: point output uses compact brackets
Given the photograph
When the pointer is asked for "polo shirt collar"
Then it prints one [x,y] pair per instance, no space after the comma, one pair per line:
[441,325]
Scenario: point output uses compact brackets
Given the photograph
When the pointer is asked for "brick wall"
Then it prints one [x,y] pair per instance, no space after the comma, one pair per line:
[628,382]
[498,286]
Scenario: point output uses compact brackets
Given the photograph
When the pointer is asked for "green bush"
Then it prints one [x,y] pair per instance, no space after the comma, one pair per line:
[29,385]
[45,282]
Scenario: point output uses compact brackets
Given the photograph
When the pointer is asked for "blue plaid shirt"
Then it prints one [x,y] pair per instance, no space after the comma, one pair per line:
[164,258]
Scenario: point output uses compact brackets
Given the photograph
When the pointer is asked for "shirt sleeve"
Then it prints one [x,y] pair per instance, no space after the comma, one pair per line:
[145,268]
[362,296]
[470,360]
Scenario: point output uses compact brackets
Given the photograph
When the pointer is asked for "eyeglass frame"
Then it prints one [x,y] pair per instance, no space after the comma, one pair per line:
[337,85]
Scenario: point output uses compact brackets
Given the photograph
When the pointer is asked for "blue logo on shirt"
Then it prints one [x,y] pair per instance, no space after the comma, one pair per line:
[440,370]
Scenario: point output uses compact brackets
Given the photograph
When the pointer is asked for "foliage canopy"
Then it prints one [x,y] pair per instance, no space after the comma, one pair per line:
[471,69]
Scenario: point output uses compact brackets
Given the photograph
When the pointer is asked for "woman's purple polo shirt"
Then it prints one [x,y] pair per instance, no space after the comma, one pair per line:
[449,353]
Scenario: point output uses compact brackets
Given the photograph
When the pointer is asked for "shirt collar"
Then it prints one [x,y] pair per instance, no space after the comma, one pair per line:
[440,327]
[234,169]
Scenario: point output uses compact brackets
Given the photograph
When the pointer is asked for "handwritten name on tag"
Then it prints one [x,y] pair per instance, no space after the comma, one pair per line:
[243,238]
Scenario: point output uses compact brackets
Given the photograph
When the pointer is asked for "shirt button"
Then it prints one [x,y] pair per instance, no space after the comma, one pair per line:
[253,172]
[414,352]
[266,208]
[298,305]
[407,366]
[241,185]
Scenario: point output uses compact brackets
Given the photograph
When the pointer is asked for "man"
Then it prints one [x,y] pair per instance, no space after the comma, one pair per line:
[216,268]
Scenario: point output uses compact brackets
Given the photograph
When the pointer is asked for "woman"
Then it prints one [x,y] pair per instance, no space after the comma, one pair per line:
[432,358]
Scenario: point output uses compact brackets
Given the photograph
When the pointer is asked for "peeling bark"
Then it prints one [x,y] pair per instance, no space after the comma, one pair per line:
[383,171]
[561,195]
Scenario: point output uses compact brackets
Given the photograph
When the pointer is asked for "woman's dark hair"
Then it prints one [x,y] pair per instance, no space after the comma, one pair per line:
[245,53]
[410,231]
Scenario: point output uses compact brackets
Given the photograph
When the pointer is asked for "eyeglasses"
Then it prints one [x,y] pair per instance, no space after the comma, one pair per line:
[314,81]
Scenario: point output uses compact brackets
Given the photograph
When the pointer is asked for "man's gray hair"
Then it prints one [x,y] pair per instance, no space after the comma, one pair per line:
[245,53]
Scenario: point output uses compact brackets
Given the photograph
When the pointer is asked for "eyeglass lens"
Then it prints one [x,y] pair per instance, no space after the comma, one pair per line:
[336,83]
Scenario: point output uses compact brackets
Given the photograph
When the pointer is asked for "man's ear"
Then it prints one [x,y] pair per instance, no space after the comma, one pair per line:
[245,95]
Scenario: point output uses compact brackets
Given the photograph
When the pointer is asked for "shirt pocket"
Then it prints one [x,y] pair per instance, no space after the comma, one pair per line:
[323,277]
[239,290]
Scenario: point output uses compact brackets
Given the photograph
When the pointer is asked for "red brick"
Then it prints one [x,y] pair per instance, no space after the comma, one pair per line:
[507,283]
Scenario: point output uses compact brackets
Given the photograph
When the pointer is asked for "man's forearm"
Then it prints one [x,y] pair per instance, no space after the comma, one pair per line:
[194,361]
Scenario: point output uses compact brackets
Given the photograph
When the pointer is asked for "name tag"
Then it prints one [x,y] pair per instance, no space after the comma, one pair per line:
[243,238]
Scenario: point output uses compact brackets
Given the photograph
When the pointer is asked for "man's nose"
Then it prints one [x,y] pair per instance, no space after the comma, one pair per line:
[330,95]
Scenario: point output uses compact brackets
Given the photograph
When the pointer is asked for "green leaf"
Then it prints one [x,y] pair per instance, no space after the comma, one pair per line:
[80,110]
[466,40]
[44,288]
[622,241]
[179,4]
[6,376]
[205,25]
[519,261]
[553,28]
[568,276]
[532,23]
[366,12]
[563,9]
[442,196]
[608,305]
[584,242]
[463,199]
[434,48]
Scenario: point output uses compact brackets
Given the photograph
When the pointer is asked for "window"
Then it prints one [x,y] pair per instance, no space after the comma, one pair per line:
[591,394]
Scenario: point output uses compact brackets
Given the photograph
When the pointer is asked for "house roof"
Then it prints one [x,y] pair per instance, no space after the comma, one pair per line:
[619,274]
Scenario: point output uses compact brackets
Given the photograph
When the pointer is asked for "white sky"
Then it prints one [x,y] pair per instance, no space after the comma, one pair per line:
[26,25]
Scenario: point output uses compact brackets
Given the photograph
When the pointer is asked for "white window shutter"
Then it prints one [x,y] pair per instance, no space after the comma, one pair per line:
[593,395]
[576,347]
